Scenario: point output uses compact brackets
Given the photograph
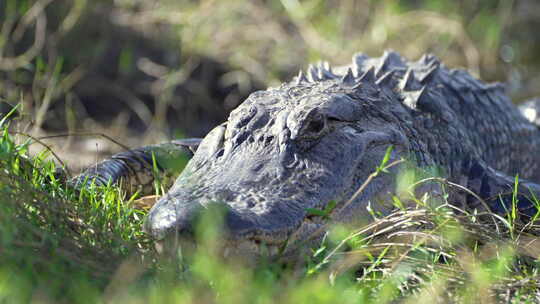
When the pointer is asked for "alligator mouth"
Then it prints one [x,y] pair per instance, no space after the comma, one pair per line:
[252,245]
[256,247]
[248,250]
[308,232]
[180,215]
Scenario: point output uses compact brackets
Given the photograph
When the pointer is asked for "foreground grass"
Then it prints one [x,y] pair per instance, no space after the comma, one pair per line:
[59,245]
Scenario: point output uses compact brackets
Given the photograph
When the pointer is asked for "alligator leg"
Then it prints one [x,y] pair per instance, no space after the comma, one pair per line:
[135,170]
[497,192]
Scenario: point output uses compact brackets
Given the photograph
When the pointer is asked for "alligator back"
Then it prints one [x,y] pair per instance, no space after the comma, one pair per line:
[457,117]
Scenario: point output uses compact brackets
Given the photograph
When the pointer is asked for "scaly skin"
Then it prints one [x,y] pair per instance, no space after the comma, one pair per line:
[317,138]
[136,170]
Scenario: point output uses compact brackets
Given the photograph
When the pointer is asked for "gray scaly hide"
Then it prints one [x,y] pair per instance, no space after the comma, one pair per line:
[318,137]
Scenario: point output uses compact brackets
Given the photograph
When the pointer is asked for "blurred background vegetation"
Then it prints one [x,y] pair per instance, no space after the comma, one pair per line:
[144,71]
[147,71]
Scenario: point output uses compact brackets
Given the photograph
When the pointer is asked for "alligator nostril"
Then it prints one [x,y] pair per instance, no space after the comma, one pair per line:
[268,140]
[220,153]
[257,167]
[240,138]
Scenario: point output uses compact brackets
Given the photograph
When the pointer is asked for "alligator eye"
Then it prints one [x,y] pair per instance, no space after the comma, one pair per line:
[315,127]
[312,130]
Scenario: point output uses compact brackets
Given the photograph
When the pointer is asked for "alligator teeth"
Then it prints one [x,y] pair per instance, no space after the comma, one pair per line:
[273,250]
[268,250]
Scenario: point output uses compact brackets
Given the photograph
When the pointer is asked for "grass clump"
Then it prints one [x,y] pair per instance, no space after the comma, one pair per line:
[55,241]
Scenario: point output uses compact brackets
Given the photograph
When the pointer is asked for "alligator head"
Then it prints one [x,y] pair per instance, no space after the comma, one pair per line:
[285,151]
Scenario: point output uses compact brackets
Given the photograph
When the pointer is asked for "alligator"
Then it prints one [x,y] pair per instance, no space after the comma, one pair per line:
[315,140]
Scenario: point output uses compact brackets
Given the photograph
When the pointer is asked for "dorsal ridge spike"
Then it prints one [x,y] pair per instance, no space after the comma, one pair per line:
[301,78]
[324,73]
[320,74]
[368,76]
[389,61]
[421,94]
[327,66]
[358,61]
[313,73]
[328,71]
[409,82]
[429,74]
[385,79]
[348,78]
[429,59]
[415,99]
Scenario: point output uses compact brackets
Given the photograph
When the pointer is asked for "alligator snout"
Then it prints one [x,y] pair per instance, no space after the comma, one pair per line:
[180,215]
